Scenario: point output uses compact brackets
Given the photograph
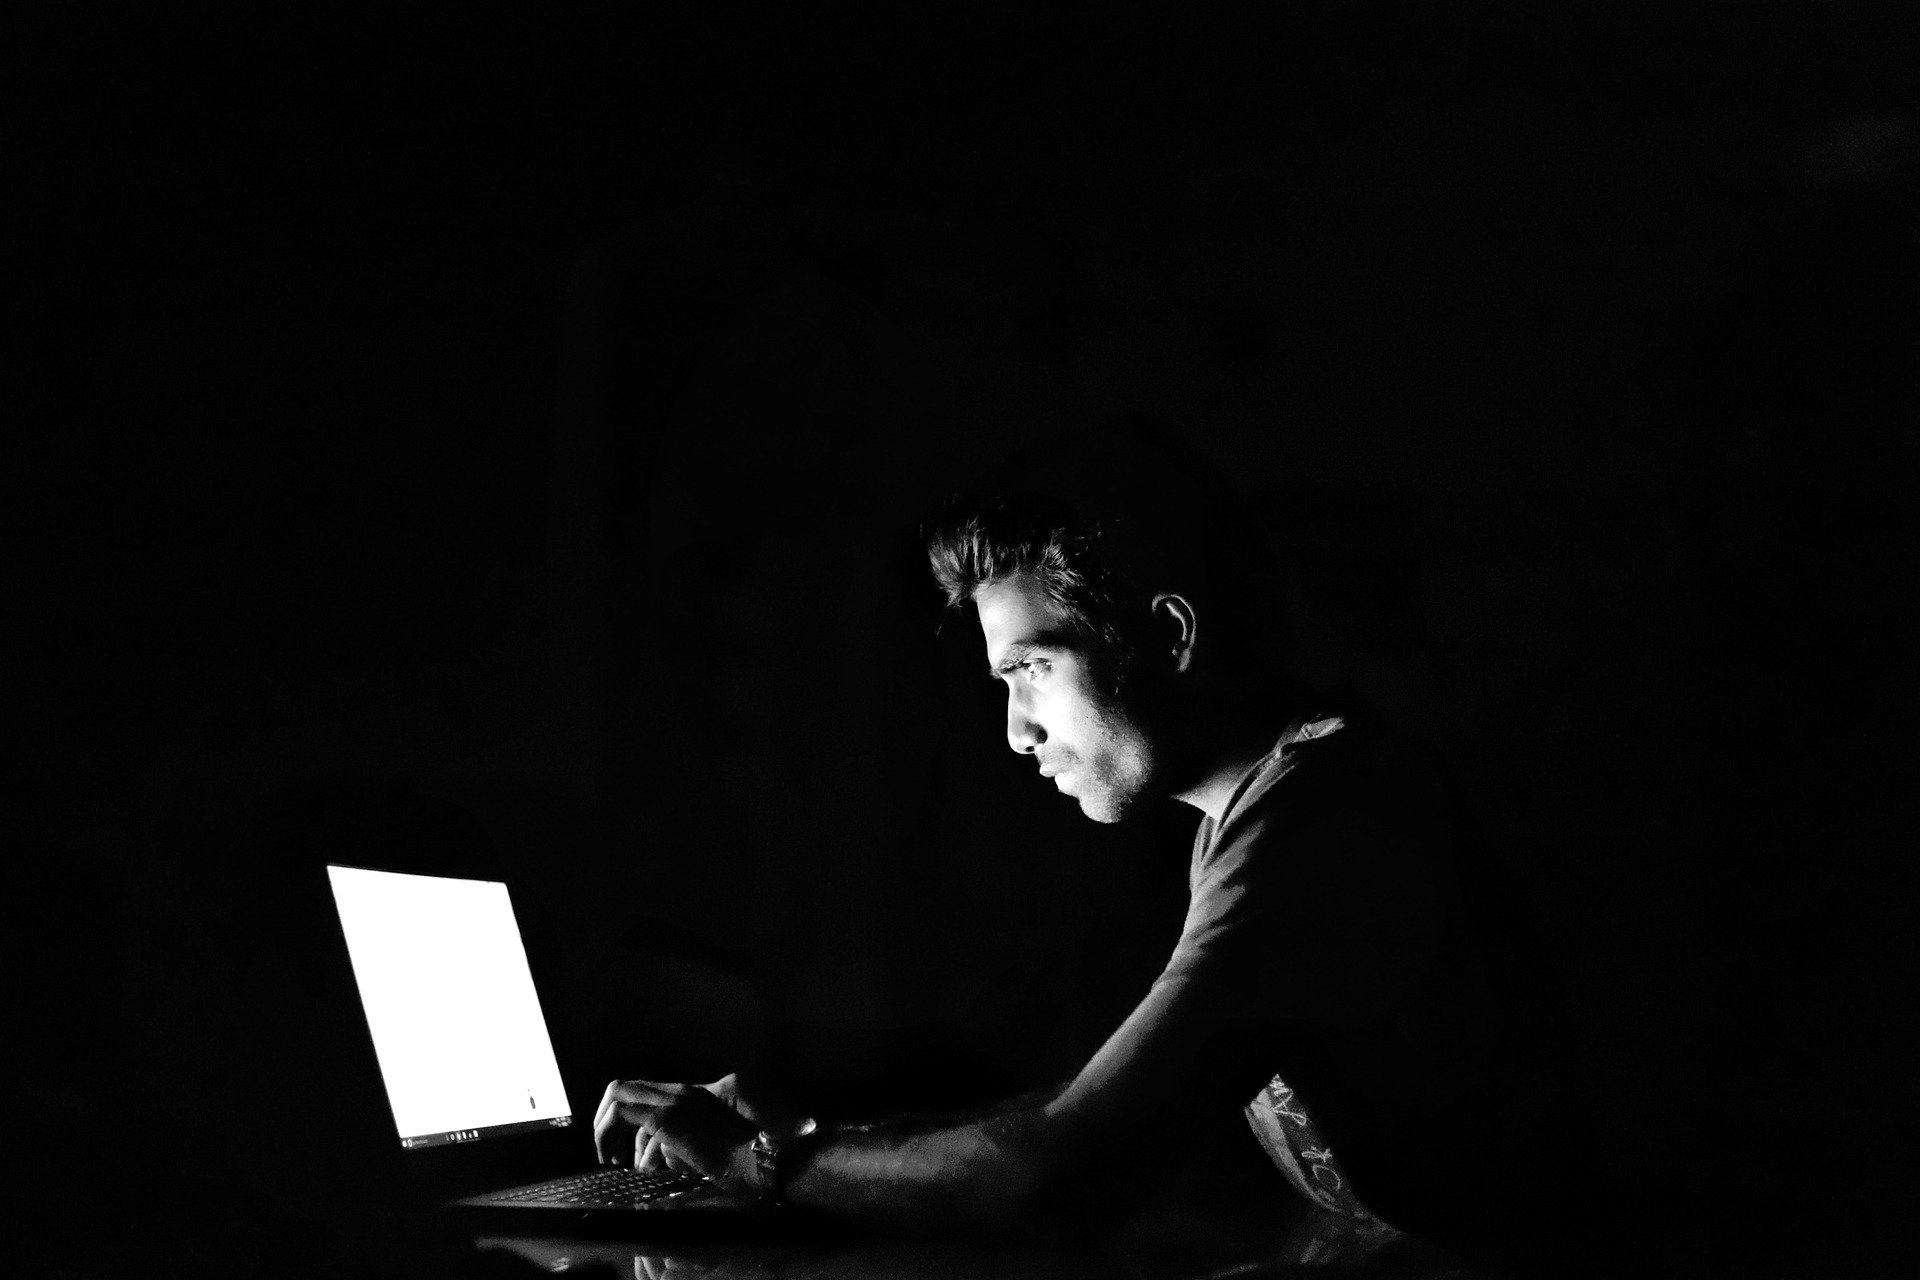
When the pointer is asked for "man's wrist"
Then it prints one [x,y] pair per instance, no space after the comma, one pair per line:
[773,1157]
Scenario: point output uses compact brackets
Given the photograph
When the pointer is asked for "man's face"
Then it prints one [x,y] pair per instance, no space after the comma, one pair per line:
[1060,706]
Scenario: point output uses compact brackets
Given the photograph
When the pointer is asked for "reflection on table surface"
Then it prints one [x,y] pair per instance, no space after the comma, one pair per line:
[871,1260]
[1315,1245]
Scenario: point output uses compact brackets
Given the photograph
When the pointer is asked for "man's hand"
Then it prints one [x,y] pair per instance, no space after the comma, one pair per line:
[760,1107]
[704,1129]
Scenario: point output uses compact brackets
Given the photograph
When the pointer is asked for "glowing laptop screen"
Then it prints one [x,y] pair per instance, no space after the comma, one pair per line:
[456,1023]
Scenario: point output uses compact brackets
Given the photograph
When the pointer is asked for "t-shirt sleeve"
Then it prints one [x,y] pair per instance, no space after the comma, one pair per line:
[1321,900]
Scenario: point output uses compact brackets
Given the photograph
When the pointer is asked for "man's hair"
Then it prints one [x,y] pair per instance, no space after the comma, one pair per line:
[1116,513]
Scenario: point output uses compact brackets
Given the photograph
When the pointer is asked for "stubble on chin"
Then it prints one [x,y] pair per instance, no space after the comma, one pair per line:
[1105,814]
[1106,804]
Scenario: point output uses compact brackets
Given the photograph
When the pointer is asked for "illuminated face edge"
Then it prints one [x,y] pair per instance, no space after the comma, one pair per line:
[1060,709]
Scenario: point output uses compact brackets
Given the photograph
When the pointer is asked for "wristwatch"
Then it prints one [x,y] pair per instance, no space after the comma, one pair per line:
[766,1157]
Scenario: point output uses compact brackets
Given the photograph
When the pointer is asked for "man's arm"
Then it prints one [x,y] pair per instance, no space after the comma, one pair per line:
[991,1169]
[926,1122]
[1135,1103]
[1130,1109]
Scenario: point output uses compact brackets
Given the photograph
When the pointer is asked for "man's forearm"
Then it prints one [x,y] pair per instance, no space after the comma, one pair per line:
[993,1169]
[927,1122]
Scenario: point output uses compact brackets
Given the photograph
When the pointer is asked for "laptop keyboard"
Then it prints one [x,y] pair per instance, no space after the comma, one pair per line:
[606,1189]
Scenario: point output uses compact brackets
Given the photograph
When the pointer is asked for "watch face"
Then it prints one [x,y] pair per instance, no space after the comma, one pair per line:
[766,1155]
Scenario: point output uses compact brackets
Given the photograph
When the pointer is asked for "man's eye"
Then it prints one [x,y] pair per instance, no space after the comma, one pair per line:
[1035,667]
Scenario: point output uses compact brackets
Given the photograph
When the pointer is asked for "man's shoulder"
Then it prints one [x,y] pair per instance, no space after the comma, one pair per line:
[1330,881]
[1326,757]
[1329,775]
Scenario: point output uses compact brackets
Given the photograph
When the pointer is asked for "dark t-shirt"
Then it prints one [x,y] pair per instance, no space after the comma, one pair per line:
[1326,929]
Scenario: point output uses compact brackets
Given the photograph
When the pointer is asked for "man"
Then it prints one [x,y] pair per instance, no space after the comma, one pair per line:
[1325,961]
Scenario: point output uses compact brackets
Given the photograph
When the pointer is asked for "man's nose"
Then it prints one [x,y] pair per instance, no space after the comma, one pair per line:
[1024,733]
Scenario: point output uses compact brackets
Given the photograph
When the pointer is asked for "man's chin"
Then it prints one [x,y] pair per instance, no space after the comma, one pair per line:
[1099,797]
[1106,809]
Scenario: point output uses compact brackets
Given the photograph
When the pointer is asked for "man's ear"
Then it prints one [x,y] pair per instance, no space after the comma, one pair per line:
[1175,626]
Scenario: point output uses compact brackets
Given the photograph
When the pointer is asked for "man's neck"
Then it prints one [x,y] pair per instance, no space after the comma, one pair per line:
[1225,767]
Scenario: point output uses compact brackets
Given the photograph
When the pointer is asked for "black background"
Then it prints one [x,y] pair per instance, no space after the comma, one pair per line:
[476,437]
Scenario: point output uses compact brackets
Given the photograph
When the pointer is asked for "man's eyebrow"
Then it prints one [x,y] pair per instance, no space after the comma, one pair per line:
[1014,656]
[1020,650]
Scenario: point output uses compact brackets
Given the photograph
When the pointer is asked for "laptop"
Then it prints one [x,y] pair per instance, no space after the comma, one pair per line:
[480,1115]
